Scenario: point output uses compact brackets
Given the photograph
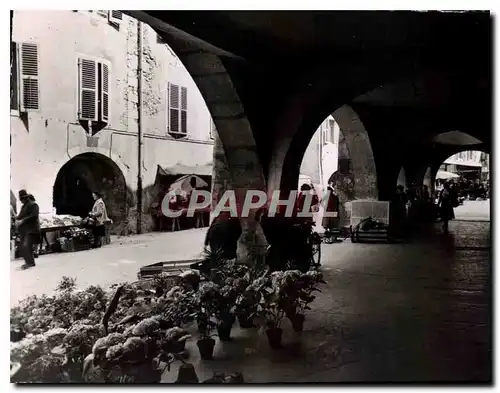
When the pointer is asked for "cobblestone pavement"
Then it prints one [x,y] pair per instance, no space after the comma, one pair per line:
[389,312]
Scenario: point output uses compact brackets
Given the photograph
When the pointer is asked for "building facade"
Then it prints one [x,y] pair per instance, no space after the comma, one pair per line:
[467,164]
[321,157]
[76,112]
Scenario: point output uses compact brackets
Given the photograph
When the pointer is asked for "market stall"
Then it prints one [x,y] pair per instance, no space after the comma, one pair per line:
[61,229]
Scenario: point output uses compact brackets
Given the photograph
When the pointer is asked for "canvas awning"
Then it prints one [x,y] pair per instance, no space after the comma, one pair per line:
[179,170]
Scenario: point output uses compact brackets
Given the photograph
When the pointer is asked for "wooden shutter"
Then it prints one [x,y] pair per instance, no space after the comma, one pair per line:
[183,110]
[173,108]
[115,17]
[30,89]
[105,93]
[88,90]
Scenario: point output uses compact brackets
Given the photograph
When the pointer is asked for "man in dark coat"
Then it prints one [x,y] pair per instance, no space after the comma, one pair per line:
[28,226]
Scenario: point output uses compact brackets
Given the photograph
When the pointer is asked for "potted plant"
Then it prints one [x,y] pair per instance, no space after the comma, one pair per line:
[298,295]
[205,343]
[207,298]
[269,307]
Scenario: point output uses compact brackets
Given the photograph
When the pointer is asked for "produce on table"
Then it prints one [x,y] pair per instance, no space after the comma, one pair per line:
[50,221]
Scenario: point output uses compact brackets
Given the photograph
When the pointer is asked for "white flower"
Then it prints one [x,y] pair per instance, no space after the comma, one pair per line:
[146,327]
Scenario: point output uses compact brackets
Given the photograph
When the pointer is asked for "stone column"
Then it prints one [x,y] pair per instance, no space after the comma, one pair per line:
[221,177]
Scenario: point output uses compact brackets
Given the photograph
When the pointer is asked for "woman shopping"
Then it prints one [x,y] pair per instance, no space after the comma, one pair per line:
[97,218]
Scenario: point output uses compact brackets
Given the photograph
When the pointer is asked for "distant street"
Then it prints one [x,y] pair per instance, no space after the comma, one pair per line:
[473,211]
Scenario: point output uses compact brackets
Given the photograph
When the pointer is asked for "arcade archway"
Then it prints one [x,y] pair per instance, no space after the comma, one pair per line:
[83,174]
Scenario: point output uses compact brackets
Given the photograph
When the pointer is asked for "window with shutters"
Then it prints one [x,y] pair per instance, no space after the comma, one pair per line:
[177,110]
[93,90]
[28,91]
[115,17]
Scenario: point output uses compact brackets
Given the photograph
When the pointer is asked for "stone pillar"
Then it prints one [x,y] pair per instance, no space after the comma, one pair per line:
[343,181]
[221,177]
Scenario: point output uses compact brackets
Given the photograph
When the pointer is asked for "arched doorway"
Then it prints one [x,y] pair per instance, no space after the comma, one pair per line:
[83,174]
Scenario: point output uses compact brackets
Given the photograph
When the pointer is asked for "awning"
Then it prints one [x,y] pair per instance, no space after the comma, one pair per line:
[445,175]
[179,170]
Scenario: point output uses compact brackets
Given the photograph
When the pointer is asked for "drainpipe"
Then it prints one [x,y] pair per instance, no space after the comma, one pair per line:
[139,127]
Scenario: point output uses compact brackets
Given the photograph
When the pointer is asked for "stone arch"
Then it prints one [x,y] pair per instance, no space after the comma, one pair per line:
[428,179]
[360,152]
[87,172]
[356,176]
[204,63]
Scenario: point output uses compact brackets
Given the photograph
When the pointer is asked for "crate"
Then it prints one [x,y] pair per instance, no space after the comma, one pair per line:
[74,245]
[172,268]
[370,236]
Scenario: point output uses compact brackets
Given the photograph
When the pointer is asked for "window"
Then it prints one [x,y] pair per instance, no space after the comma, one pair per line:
[93,90]
[25,78]
[115,17]
[177,110]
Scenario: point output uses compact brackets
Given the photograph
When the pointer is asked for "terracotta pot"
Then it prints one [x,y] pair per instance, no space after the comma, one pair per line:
[298,322]
[187,374]
[274,337]
[206,348]
[245,322]
[179,346]
[224,329]
[224,332]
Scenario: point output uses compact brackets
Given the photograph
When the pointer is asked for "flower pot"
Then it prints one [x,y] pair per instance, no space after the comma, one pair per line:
[187,374]
[206,347]
[179,346]
[298,322]
[224,328]
[245,322]
[224,332]
[274,337]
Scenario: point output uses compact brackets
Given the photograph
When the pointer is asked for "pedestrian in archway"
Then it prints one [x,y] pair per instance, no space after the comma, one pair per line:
[28,226]
[98,217]
[332,206]
[398,212]
[445,204]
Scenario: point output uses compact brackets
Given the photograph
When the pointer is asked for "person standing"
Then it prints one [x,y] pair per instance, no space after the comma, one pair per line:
[332,206]
[99,216]
[445,204]
[28,226]
[398,212]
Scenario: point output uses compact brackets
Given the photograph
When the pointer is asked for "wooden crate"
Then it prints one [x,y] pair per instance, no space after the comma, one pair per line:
[370,236]
[73,245]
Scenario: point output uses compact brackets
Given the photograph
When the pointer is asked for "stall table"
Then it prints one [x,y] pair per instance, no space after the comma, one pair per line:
[45,231]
